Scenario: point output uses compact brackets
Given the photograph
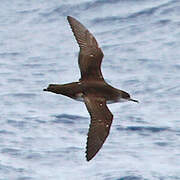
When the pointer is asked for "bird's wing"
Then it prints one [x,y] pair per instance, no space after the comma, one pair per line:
[101,119]
[90,55]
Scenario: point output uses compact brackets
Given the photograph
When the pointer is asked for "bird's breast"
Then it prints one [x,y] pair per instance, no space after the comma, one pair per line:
[79,97]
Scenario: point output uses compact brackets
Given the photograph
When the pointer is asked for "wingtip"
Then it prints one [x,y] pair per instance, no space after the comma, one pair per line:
[69,18]
[88,158]
[89,155]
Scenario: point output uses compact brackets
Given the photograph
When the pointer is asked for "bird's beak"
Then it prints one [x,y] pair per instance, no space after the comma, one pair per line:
[134,100]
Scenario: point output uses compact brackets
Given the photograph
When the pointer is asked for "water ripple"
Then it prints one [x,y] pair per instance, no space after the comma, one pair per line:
[67,119]
[131,178]
[144,129]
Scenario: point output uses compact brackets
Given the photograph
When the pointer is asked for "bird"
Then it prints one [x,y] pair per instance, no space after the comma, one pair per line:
[91,88]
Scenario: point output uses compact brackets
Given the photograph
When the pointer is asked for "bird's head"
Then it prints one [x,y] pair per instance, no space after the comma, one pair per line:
[126,96]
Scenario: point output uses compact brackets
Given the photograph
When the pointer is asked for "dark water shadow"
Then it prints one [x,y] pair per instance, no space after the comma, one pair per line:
[68,119]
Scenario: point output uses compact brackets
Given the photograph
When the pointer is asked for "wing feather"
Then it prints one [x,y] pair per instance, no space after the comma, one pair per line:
[90,55]
[101,120]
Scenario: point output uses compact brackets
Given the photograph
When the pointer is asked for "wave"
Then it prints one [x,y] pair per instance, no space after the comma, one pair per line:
[144,129]
[67,119]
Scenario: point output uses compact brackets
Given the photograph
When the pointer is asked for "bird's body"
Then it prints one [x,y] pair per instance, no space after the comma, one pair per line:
[91,88]
[77,90]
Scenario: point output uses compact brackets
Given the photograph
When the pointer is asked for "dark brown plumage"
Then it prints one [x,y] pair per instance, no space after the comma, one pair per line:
[91,88]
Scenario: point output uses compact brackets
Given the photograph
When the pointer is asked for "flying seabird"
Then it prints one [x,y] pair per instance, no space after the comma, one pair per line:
[91,88]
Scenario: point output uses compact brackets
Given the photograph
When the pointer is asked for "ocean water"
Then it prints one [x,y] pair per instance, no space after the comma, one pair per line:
[43,135]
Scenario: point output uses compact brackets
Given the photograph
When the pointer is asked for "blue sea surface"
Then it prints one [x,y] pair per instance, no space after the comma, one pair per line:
[43,135]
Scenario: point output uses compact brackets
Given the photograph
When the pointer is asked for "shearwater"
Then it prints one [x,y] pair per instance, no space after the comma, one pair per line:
[91,88]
